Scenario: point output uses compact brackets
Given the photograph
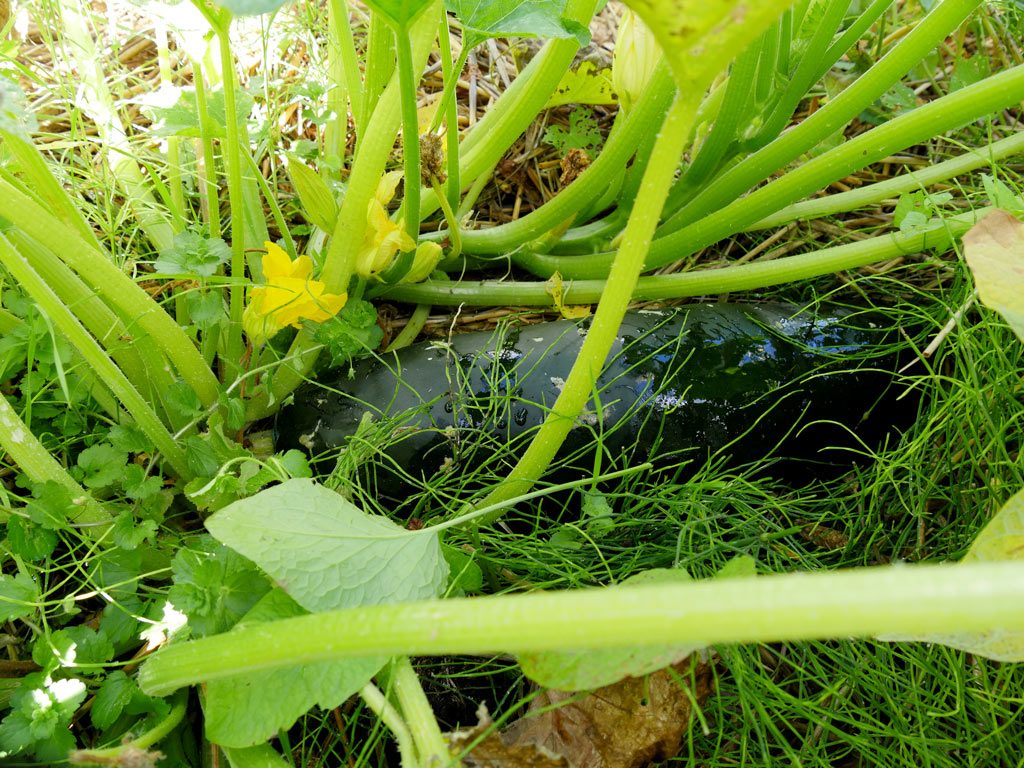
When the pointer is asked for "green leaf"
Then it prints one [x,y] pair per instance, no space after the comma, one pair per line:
[466,575]
[699,39]
[28,540]
[205,309]
[72,647]
[137,485]
[193,254]
[328,554]
[100,465]
[183,399]
[41,710]
[482,19]
[214,586]
[994,248]
[315,197]
[111,699]
[128,534]
[1001,196]
[173,111]
[50,505]
[1002,539]
[235,717]
[399,13]
[18,596]
[250,7]
[129,438]
[593,668]
[583,133]
[352,332]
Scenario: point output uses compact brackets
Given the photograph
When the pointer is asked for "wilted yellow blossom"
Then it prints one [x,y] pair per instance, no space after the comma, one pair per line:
[287,298]
[636,55]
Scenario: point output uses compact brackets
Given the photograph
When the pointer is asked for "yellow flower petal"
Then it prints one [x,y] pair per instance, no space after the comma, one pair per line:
[287,298]
[387,186]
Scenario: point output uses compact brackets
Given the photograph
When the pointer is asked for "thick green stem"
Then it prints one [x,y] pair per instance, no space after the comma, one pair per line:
[648,111]
[344,72]
[955,109]
[407,79]
[830,118]
[913,599]
[233,162]
[380,65]
[94,355]
[700,282]
[119,291]
[449,109]
[675,132]
[518,106]
[416,712]
[208,177]
[25,450]
[909,181]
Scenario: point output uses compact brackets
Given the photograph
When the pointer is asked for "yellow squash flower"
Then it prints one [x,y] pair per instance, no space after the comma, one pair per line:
[384,238]
[288,297]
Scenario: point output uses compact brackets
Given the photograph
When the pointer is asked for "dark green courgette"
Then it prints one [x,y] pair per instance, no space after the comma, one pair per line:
[679,385]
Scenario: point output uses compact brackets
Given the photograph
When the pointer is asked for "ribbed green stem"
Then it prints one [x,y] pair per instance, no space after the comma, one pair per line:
[700,282]
[911,599]
[94,355]
[579,385]
[344,72]
[950,111]
[830,118]
[379,67]
[909,181]
[119,291]
[24,449]
[407,80]
[233,162]
[210,189]
[416,712]
[392,719]
[518,106]
[449,110]
[648,111]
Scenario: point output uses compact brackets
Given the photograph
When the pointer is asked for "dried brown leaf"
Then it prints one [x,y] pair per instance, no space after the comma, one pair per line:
[629,724]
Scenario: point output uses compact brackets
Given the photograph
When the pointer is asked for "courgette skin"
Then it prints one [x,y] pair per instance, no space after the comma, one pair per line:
[680,385]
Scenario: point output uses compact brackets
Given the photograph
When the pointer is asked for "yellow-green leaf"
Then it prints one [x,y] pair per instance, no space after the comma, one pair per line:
[318,204]
[701,37]
[584,85]
[994,248]
[1002,539]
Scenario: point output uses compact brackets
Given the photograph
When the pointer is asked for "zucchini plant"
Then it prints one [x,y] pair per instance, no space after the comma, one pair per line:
[296,589]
